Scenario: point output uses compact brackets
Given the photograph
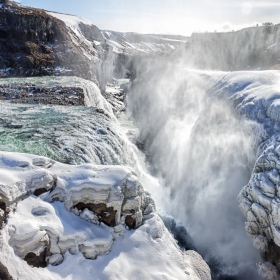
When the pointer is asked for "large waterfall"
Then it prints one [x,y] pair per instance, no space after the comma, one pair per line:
[199,153]
[203,155]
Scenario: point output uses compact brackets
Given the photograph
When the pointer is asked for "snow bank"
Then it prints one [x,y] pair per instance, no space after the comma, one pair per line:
[256,95]
[72,222]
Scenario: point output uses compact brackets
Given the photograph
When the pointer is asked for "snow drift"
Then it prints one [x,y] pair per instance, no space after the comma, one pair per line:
[38,193]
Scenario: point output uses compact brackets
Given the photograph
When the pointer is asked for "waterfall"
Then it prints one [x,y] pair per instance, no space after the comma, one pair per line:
[202,153]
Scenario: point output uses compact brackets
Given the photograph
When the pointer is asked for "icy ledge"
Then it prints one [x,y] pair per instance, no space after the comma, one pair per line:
[73,222]
[256,95]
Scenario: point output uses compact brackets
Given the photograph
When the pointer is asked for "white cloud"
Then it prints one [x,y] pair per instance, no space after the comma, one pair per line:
[246,8]
[227,27]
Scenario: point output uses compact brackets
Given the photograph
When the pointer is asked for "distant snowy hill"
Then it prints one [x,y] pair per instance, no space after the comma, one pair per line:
[133,43]
[247,49]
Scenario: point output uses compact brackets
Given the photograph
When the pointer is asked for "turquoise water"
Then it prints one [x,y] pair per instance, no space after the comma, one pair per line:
[67,134]
[72,135]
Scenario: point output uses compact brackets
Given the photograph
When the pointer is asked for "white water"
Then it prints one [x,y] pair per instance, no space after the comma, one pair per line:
[203,155]
[199,151]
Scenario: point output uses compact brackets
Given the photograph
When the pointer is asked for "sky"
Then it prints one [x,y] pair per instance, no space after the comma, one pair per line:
[167,16]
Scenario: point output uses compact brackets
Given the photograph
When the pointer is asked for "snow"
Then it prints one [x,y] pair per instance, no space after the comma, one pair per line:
[71,21]
[256,96]
[270,47]
[80,249]
[78,38]
[126,42]
[34,215]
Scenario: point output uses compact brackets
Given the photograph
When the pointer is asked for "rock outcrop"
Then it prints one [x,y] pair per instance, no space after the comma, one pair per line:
[109,195]
[83,212]
[255,95]
[260,203]
[31,94]
[35,43]
[4,273]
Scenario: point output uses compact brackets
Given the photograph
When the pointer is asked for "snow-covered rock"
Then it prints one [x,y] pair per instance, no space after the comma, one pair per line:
[135,43]
[77,226]
[256,95]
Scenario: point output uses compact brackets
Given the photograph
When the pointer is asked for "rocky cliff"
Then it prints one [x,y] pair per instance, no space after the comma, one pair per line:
[35,43]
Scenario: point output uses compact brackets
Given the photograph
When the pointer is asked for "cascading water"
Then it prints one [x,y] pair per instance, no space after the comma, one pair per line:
[202,154]
[196,146]
[67,134]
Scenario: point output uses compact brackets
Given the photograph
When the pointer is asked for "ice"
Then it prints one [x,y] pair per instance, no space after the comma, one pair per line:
[256,95]
[77,245]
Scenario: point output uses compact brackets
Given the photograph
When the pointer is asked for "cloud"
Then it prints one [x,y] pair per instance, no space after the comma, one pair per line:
[227,26]
[246,8]
[266,4]
[125,12]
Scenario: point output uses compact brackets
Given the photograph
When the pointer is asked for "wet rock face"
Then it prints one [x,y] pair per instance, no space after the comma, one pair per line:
[106,215]
[25,35]
[38,192]
[272,255]
[4,273]
[32,94]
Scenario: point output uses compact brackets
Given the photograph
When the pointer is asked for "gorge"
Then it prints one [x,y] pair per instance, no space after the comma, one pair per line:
[158,145]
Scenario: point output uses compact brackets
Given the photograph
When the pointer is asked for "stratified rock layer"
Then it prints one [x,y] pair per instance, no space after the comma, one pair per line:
[31,94]
[35,43]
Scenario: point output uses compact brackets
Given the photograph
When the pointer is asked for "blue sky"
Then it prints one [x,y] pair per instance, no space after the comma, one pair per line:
[167,16]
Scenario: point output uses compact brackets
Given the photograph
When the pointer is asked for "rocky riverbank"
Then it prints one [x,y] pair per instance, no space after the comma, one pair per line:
[29,93]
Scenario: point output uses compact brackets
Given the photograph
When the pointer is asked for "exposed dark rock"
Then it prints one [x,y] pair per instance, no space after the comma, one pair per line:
[116,99]
[105,214]
[4,273]
[273,254]
[130,222]
[38,192]
[36,261]
[179,232]
[32,94]
[3,213]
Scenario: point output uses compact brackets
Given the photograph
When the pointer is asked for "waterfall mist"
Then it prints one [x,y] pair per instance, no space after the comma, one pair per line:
[202,154]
